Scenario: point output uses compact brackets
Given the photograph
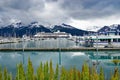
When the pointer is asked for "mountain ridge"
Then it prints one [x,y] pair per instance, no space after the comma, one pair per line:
[112,28]
[19,29]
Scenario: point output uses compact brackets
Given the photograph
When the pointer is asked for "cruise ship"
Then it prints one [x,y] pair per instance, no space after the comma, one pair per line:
[55,35]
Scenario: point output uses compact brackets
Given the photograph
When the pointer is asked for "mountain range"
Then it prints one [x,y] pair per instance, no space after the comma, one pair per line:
[19,29]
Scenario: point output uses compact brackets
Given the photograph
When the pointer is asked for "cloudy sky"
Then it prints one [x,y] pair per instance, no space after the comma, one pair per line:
[82,14]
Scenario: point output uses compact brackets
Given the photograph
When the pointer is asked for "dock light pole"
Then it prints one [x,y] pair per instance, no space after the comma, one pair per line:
[97,47]
[97,51]
[59,52]
[59,57]
[23,46]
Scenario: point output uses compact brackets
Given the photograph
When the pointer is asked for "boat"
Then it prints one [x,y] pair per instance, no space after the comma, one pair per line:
[54,35]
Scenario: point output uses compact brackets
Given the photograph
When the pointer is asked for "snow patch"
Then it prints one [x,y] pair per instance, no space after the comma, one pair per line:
[114,26]
[35,24]
[94,28]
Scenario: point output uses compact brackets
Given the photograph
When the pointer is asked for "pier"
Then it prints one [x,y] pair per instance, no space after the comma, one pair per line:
[62,49]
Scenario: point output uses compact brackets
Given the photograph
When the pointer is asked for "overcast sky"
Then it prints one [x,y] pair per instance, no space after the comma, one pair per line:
[82,14]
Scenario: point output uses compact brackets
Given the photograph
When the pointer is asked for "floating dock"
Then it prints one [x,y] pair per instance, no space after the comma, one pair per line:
[62,49]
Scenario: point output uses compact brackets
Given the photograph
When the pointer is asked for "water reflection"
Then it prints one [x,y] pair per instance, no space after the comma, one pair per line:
[78,54]
[69,59]
[105,57]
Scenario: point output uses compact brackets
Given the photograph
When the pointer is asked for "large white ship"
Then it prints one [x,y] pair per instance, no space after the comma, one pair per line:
[57,34]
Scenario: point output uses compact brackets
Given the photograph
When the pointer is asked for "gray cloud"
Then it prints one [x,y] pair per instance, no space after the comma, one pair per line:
[20,4]
[56,11]
[85,9]
[51,0]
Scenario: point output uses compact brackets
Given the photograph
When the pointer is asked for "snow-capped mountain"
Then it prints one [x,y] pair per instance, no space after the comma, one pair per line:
[69,29]
[114,28]
[19,29]
[62,25]
[15,23]
[16,27]
[34,24]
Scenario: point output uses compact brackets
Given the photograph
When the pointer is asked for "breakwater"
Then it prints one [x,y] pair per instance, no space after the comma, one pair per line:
[60,49]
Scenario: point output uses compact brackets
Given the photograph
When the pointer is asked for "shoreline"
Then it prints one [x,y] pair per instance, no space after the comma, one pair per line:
[61,49]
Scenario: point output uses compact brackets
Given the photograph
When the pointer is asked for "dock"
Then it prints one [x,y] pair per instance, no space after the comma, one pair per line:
[61,49]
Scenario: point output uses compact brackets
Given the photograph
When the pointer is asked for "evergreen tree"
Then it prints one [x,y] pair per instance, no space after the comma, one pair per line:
[51,77]
[116,74]
[39,71]
[93,74]
[46,70]
[30,70]
[0,73]
[101,75]
[85,72]
[42,77]
[74,73]
[5,74]
[71,77]
[56,72]
[20,72]
[10,76]
[79,77]
[64,75]
[35,77]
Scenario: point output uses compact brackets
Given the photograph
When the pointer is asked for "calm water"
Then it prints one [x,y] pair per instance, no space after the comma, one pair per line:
[69,59]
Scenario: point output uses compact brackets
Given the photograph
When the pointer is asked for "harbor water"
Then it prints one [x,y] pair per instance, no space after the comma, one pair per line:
[68,59]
